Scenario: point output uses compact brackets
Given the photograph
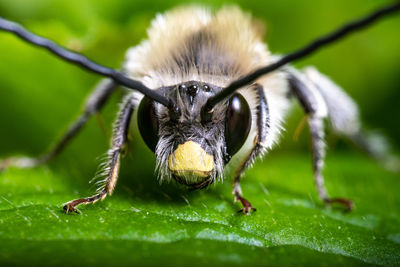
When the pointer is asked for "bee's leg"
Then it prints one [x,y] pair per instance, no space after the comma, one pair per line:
[94,103]
[318,146]
[315,107]
[111,168]
[258,148]
[344,118]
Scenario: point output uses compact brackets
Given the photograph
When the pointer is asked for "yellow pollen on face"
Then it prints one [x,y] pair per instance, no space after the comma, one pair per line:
[191,158]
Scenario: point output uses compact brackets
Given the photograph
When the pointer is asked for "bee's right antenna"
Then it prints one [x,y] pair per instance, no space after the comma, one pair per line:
[84,62]
[206,112]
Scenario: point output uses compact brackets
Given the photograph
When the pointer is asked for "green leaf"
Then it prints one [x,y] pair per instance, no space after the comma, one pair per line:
[153,224]
[145,223]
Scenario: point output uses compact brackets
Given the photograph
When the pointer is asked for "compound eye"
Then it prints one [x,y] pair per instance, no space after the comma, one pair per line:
[237,124]
[147,122]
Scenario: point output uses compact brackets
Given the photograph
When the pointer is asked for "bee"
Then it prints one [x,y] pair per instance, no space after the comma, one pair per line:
[191,55]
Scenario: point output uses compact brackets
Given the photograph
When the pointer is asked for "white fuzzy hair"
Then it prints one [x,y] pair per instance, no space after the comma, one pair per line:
[236,39]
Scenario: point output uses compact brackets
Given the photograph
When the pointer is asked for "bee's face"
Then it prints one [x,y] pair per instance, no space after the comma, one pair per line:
[193,152]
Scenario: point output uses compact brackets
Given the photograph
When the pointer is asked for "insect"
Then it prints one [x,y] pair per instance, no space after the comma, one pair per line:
[194,122]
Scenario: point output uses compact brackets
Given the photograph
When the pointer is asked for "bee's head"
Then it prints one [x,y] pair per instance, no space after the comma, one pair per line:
[192,151]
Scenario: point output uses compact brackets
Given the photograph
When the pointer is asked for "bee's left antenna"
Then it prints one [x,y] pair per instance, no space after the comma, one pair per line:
[206,112]
[81,60]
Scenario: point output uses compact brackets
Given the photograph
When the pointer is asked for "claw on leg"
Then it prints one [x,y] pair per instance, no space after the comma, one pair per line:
[346,203]
[247,207]
[70,206]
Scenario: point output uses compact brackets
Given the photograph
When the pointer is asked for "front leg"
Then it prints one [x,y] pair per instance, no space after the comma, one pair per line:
[258,148]
[111,168]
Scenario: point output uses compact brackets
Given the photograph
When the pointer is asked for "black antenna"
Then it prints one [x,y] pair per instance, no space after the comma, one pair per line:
[81,61]
[206,112]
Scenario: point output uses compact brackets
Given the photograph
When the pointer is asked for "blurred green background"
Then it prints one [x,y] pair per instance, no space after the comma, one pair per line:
[40,95]
[33,82]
